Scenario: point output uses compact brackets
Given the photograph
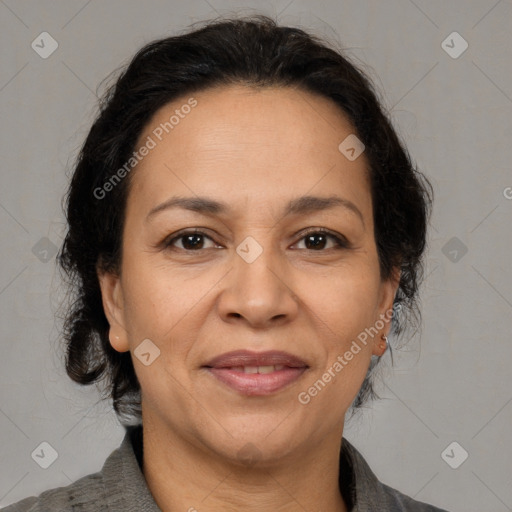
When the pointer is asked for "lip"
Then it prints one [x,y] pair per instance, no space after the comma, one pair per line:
[226,369]
[249,358]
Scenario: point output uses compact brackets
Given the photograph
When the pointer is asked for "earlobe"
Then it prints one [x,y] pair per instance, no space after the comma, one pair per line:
[113,306]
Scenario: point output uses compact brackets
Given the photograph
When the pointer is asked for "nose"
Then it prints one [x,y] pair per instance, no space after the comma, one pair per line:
[258,293]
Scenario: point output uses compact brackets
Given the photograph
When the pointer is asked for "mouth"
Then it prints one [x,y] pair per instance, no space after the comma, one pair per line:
[256,374]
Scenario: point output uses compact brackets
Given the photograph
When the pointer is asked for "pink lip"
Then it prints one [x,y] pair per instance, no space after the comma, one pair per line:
[248,358]
[226,368]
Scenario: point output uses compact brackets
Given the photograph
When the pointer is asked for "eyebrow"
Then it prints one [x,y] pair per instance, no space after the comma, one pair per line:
[299,206]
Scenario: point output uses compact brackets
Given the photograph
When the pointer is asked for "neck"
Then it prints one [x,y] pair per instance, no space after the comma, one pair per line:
[182,476]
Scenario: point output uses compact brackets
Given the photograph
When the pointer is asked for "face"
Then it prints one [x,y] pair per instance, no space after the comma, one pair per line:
[251,267]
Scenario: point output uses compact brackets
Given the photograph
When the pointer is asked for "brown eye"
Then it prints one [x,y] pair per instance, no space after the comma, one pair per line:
[318,239]
[190,241]
[194,241]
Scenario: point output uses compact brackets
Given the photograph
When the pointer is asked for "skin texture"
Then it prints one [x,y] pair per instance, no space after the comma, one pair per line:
[254,149]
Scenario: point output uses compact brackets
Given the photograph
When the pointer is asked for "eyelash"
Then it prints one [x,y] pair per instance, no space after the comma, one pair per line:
[341,242]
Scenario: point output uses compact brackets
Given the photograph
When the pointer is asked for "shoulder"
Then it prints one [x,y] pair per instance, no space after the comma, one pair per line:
[402,502]
[87,493]
[370,494]
[120,485]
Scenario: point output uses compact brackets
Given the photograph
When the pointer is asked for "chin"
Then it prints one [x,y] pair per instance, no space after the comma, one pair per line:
[253,440]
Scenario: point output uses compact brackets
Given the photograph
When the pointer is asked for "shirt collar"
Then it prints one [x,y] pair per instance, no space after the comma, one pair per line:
[123,477]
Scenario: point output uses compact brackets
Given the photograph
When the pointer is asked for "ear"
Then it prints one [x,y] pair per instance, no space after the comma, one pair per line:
[388,291]
[113,305]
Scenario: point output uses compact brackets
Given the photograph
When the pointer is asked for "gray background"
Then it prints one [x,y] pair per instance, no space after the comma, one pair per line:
[452,383]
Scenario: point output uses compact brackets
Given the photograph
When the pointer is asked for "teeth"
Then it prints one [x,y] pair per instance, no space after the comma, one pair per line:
[258,369]
[266,369]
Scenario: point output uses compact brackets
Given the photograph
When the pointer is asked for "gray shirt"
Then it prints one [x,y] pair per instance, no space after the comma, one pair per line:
[120,486]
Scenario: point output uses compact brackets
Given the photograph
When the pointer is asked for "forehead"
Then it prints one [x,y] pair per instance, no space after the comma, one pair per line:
[258,144]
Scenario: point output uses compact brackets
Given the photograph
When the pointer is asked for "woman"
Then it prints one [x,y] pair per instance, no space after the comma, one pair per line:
[243,223]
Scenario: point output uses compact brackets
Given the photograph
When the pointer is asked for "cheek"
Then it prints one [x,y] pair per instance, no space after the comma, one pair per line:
[330,394]
[344,306]
[155,298]
[167,308]
[343,309]
[159,307]
[346,302]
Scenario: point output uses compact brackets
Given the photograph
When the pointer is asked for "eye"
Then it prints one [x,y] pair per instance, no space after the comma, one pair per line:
[317,239]
[192,240]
